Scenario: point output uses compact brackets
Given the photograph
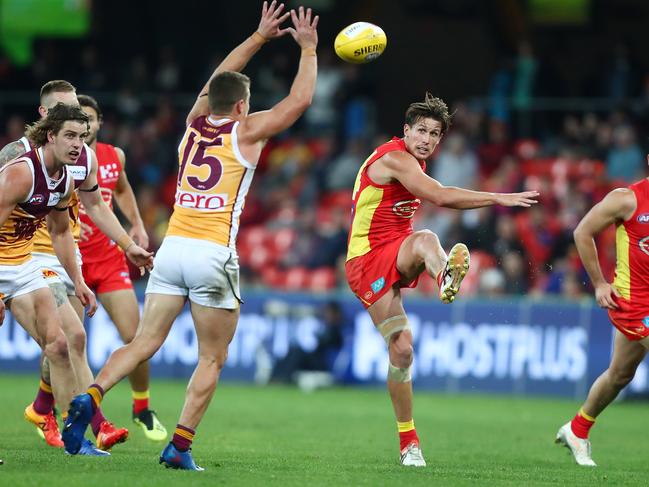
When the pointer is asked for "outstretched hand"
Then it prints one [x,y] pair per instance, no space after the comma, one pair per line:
[526,199]
[304,33]
[271,19]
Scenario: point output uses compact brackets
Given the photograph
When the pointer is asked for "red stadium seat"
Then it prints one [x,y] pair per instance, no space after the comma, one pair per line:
[322,279]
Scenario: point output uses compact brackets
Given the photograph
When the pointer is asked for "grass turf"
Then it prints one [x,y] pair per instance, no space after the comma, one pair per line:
[281,436]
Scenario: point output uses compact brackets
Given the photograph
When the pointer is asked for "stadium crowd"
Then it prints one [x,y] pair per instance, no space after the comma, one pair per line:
[294,228]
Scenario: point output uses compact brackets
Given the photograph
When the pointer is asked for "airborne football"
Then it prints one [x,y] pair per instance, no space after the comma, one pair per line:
[360,42]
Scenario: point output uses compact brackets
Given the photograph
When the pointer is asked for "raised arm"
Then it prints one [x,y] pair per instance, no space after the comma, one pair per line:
[125,199]
[269,28]
[263,125]
[617,206]
[404,168]
[107,222]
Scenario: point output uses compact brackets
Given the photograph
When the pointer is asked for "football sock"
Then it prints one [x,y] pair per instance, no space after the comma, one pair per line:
[97,394]
[96,421]
[140,401]
[407,433]
[581,424]
[44,398]
[183,437]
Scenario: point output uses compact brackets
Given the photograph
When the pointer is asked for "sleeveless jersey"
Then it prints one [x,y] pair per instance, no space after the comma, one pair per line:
[17,233]
[632,247]
[380,212]
[213,181]
[108,171]
[79,172]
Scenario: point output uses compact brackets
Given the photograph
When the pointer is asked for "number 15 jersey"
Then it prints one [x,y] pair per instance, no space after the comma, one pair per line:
[213,181]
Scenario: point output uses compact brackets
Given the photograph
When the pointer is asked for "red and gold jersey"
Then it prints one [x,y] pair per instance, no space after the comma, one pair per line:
[380,212]
[79,172]
[17,234]
[213,181]
[109,168]
[632,267]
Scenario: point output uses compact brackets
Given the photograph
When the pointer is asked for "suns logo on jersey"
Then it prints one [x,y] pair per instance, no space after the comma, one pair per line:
[406,209]
[644,245]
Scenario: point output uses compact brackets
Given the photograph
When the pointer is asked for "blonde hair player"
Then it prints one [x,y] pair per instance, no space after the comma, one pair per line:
[385,254]
[198,260]
[69,308]
[31,186]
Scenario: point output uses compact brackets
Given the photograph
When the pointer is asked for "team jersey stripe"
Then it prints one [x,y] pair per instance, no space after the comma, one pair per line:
[368,201]
[622,280]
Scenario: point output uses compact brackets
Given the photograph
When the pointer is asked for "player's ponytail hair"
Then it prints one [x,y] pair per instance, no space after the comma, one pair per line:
[431,107]
[226,89]
[56,117]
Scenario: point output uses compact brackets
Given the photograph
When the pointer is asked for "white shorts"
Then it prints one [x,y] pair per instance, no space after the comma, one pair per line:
[54,272]
[16,280]
[205,271]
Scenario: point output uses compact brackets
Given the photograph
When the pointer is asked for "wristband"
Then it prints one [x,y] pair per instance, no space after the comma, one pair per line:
[257,37]
[124,242]
[308,51]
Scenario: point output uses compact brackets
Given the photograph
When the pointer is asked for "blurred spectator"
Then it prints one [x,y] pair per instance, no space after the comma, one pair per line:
[329,343]
[341,172]
[625,160]
[457,164]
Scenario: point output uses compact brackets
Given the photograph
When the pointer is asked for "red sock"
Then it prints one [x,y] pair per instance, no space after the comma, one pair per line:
[407,434]
[140,401]
[581,424]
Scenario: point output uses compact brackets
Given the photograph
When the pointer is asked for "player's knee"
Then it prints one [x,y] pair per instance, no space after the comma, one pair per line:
[77,341]
[56,348]
[427,240]
[401,351]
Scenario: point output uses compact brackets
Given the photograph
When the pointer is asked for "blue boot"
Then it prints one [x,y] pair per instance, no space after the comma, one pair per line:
[79,416]
[172,458]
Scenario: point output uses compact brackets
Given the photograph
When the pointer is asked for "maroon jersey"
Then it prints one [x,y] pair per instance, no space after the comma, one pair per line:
[17,233]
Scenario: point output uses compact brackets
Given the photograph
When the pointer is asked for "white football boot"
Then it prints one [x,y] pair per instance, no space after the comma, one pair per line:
[457,265]
[579,447]
[411,456]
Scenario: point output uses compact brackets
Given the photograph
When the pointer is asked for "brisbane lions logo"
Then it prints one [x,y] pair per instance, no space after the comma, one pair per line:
[406,209]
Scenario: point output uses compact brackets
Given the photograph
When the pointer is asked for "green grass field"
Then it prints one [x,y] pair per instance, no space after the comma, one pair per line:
[281,436]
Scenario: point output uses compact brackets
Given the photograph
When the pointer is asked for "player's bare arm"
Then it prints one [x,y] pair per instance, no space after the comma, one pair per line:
[58,226]
[262,125]
[107,222]
[403,167]
[269,28]
[11,151]
[15,184]
[125,199]
[618,206]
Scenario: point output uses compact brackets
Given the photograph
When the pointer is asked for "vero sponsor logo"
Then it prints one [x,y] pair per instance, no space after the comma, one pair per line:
[199,201]
[644,218]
